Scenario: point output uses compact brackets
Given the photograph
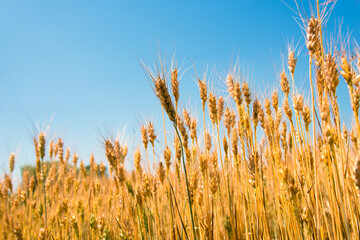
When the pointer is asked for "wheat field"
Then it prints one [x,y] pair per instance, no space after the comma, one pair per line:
[281,167]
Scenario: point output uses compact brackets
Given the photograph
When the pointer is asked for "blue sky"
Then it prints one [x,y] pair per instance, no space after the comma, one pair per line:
[75,64]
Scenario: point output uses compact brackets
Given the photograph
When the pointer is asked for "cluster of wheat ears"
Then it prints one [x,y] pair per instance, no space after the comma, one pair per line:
[261,169]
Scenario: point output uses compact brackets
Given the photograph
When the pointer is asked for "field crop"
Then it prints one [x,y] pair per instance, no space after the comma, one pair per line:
[279,167]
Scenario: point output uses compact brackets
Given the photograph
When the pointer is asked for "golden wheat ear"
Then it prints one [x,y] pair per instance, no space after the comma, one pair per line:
[175,85]
[162,93]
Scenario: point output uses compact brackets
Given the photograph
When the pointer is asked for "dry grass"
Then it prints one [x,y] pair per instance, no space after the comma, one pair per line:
[265,169]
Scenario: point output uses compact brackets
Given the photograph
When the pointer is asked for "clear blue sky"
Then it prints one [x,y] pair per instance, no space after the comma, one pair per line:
[77,62]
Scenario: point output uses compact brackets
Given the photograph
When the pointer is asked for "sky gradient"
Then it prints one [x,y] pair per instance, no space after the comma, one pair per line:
[75,64]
